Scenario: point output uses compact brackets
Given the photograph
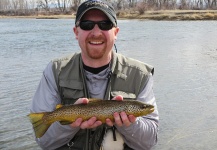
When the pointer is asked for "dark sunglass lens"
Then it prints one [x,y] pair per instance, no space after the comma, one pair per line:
[89,25]
[105,25]
[86,25]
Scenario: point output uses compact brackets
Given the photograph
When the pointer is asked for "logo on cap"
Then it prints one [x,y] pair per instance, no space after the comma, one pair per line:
[95,3]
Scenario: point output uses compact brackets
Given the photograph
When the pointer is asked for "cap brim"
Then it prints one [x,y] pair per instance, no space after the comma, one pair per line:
[95,7]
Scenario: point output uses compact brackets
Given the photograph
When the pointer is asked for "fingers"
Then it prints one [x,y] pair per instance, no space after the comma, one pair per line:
[121,119]
[119,98]
[91,123]
[125,119]
[77,123]
[82,101]
[132,118]
[118,120]
[109,122]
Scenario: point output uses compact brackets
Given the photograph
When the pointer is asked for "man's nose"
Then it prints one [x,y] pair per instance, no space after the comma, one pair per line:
[96,30]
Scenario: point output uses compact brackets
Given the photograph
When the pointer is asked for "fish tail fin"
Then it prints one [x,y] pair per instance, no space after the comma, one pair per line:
[39,126]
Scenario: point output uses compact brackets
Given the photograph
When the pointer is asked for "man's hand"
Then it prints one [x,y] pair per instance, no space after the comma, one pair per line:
[91,123]
[121,119]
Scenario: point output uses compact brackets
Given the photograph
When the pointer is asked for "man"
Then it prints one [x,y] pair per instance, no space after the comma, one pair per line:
[96,72]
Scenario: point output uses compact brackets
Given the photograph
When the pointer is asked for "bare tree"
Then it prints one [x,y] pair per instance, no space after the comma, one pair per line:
[31,4]
[44,4]
[62,5]
[74,4]
[24,7]
[183,4]
[141,7]
[214,4]
[198,4]
[119,4]
[15,6]
[209,3]
[132,3]
[2,3]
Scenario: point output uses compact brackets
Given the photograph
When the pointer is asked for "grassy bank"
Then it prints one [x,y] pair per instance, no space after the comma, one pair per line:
[148,15]
[173,15]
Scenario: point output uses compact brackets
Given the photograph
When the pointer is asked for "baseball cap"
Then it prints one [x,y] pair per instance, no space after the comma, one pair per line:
[97,4]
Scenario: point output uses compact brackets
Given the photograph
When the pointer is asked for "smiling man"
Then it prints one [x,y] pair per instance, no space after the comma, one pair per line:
[97,72]
[96,41]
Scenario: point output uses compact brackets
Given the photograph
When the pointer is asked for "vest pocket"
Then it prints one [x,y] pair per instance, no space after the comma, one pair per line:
[71,89]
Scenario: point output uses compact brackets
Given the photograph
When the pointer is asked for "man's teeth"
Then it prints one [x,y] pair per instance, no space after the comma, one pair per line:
[96,42]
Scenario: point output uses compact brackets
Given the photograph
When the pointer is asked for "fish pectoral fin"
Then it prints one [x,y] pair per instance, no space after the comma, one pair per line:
[65,122]
[59,106]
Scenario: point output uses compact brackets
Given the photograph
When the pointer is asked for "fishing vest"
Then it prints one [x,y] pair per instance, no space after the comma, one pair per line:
[127,78]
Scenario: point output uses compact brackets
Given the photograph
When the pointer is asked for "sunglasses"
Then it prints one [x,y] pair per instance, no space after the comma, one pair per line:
[89,25]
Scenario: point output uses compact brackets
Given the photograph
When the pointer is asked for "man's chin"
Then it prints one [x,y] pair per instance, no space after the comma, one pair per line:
[96,55]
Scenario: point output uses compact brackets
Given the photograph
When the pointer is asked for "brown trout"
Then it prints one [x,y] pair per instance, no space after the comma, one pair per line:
[101,109]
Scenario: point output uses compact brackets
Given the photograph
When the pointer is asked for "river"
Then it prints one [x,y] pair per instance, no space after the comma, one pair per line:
[184,54]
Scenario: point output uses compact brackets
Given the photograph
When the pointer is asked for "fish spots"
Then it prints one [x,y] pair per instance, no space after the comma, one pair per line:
[101,109]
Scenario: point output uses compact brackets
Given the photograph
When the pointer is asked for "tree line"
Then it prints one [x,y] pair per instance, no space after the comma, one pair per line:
[55,7]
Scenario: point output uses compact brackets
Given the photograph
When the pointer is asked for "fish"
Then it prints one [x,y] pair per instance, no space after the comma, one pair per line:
[101,109]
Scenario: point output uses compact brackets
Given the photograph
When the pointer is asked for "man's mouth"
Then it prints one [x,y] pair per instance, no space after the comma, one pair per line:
[96,42]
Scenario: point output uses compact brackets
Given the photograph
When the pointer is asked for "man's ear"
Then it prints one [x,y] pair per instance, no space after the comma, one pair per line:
[75,32]
[116,30]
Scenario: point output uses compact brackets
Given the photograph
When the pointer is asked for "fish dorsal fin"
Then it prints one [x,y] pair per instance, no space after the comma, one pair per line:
[59,106]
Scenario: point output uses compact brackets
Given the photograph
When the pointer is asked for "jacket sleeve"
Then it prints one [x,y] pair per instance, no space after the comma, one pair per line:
[142,135]
[45,100]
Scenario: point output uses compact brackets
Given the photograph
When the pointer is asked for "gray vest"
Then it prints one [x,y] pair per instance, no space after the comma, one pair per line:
[127,78]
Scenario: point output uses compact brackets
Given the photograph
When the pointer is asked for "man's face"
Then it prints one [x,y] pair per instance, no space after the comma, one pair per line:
[96,43]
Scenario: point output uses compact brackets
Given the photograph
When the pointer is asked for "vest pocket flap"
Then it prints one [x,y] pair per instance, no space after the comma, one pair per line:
[71,89]
[71,84]
[124,94]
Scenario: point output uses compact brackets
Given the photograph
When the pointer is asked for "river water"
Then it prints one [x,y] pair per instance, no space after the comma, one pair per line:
[184,54]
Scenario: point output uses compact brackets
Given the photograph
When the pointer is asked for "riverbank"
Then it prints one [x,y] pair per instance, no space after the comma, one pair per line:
[174,15]
[148,15]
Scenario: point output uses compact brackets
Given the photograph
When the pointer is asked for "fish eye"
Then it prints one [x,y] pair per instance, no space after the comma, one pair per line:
[143,106]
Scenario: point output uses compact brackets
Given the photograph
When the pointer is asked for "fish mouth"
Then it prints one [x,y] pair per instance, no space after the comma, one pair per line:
[147,107]
[152,109]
